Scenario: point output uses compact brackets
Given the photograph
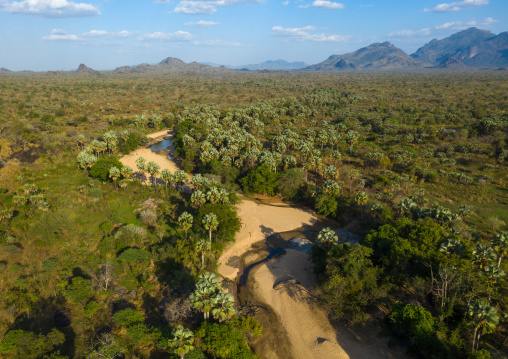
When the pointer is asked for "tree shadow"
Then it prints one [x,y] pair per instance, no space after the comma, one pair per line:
[45,315]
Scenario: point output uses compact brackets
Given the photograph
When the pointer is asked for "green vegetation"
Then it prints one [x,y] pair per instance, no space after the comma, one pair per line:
[417,162]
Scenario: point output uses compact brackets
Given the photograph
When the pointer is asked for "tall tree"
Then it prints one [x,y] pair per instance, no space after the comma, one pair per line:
[181,341]
[210,223]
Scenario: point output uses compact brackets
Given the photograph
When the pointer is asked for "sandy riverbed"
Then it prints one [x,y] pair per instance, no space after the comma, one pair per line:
[302,329]
[160,158]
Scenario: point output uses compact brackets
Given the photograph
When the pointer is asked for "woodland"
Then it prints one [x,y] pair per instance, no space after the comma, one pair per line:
[100,260]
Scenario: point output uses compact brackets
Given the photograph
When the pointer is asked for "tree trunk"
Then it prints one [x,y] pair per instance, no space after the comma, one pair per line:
[210,233]
[474,339]
[202,260]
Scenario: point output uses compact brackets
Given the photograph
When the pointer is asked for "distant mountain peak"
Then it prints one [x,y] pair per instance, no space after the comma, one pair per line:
[171,61]
[473,47]
[376,56]
[85,69]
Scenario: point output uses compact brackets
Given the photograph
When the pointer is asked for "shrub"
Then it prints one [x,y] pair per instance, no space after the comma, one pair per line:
[130,234]
[224,341]
[136,139]
[12,249]
[148,217]
[50,264]
[79,291]
[260,179]
[132,255]
[100,169]
[128,317]
[229,223]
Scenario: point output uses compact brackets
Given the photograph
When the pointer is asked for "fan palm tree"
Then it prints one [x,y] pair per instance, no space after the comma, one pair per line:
[197,198]
[485,319]
[500,244]
[361,198]
[223,306]
[181,341]
[185,222]
[166,176]
[483,255]
[153,168]
[202,247]
[327,237]
[114,174]
[210,223]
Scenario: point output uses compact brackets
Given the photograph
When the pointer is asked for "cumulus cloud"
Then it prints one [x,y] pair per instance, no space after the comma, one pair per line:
[61,35]
[49,8]
[306,34]
[168,36]
[454,25]
[202,23]
[462,25]
[324,4]
[457,6]
[422,32]
[206,7]
[218,43]
[106,34]
[285,3]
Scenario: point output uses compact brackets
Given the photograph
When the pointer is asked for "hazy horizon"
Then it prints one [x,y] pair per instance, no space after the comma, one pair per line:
[45,35]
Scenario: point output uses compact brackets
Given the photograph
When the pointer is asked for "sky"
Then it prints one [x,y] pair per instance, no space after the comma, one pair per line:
[49,35]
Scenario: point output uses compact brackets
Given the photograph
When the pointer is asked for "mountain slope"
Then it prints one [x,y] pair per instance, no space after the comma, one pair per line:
[377,56]
[168,65]
[473,47]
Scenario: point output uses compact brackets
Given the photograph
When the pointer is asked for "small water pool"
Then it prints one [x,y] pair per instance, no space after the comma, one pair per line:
[161,145]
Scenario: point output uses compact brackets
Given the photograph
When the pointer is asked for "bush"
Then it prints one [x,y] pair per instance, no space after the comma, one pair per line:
[224,341]
[290,181]
[132,255]
[130,234]
[260,179]
[12,249]
[148,217]
[100,169]
[79,291]
[128,317]
[326,205]
[50,264]
[229,223]
[136,139]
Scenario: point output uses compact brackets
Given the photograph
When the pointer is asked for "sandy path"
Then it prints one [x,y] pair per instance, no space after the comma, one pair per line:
[307,327]
[258,222]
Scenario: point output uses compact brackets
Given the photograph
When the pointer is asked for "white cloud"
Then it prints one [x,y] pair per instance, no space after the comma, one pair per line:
[162,1]
[457,6]
[305,34]
[285,3]
[324,4]
[103,33]
[168,36]
[206,7]
[202,23]
[462,25]
[218,43]
[454,25]
[422,32]
[62,35]
[50,8]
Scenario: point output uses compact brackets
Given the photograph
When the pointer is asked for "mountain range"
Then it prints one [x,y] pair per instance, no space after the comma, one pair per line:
[465,50]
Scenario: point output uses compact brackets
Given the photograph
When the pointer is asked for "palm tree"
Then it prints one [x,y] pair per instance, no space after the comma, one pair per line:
[202,246]
[197,198]
[223,306]
[114,174]
[485,319]
[213,194]
[500,244]
[81,141]
[185,222]
[351,139]
[141,165]
[153,168]
[126,172]
[166,176]
[327,237]
[483,255]
[361,198]
[181,341]
[210,223]
[202,297]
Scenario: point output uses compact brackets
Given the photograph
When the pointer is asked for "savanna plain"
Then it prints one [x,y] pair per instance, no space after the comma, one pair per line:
[395,185]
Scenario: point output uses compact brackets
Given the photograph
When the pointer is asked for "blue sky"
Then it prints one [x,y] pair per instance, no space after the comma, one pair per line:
[43,35]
